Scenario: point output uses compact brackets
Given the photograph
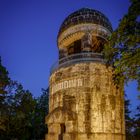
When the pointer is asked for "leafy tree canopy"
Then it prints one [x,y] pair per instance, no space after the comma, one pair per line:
[4,79]
[4,82]
[123,49]
[16,113]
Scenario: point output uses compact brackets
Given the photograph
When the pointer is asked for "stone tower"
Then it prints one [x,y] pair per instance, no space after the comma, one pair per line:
[84,103]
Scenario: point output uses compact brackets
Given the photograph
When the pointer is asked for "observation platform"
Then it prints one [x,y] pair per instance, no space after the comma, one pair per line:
[77,58]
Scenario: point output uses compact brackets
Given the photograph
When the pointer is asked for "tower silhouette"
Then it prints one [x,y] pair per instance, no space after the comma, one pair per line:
[84,102]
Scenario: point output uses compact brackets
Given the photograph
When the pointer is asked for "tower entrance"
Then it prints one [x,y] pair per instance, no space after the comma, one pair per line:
[63,130]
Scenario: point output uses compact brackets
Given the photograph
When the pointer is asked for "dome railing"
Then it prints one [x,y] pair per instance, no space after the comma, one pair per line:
[77,58]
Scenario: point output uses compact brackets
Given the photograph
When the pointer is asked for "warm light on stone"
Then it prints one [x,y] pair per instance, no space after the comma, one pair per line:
[84,103]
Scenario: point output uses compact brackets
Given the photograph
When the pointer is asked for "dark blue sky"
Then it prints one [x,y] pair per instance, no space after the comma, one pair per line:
[28,32]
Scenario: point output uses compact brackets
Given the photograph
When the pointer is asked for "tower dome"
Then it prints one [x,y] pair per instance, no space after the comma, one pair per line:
[81,23]
[85,15]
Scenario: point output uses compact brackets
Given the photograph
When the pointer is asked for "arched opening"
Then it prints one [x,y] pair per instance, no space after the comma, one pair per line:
[63,128]
[63,131]
[46,129]
[75,47]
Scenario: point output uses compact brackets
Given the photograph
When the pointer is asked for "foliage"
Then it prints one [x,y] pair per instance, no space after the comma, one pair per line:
[137,124]
[4,82]
[22,117]
[4,79]
[17,113]
[123,49]
[132,125]
[40,113]
[129,121]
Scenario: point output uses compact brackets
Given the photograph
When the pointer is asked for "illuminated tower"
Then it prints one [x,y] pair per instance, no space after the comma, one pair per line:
[84,103]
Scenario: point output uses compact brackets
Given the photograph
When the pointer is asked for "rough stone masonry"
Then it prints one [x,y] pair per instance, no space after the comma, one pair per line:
[84,102]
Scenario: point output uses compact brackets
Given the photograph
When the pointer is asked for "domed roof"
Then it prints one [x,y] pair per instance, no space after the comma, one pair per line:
[85,15]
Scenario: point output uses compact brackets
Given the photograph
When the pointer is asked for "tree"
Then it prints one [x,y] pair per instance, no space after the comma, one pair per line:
[22,117]
[137,124]
[129,121]
[4,82]
[123,49]
[4,79]
[40,113]
[20,106]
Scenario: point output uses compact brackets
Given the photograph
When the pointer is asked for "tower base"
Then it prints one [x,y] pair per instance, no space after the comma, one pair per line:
[92,136]
[85,104]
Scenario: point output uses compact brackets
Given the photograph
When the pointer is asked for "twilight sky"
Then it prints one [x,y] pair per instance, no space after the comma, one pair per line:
[28,32]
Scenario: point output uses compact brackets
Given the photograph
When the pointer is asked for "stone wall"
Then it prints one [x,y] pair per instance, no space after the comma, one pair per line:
[85,104]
